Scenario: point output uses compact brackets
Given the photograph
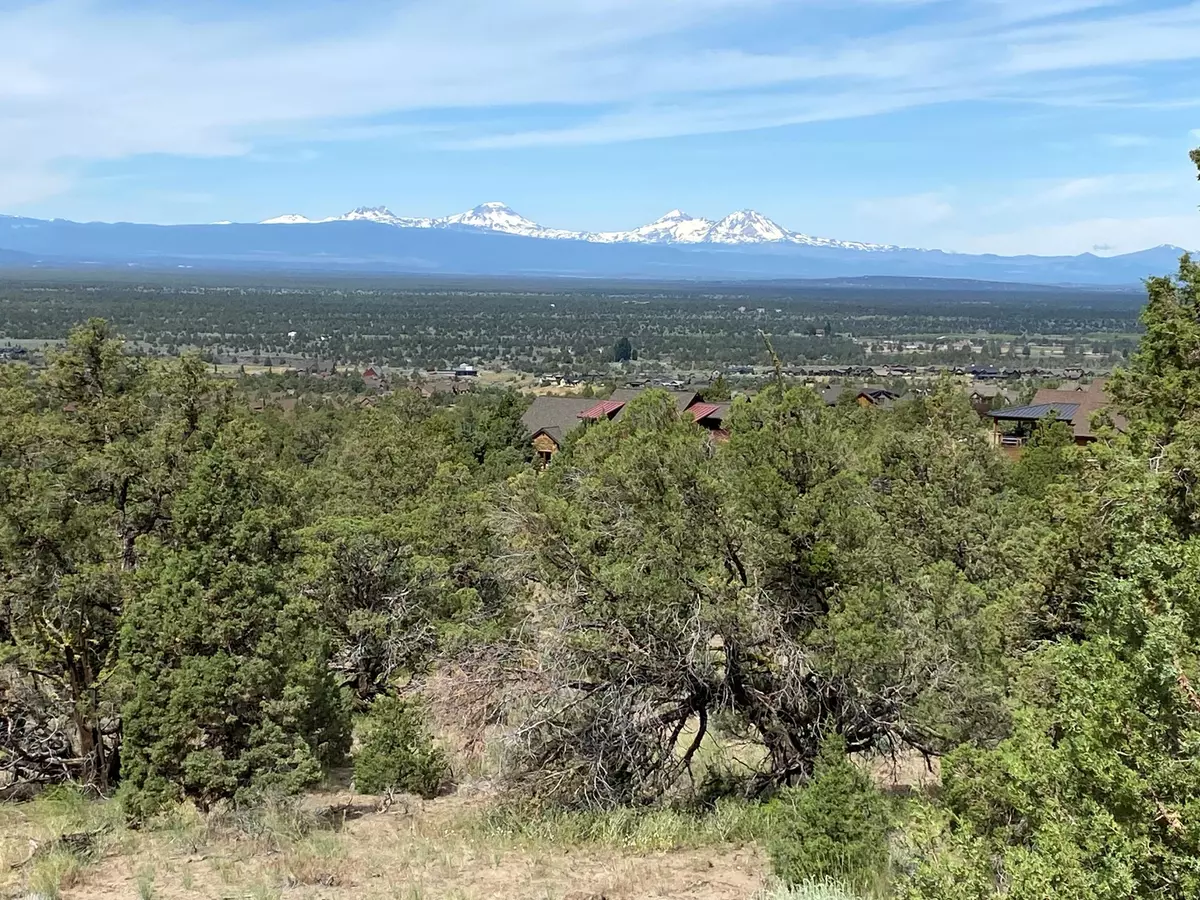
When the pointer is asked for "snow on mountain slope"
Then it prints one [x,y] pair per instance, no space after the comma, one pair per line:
[288,219]
[494,216]
[810,241]
[383,216]
[745,227]
[676,227]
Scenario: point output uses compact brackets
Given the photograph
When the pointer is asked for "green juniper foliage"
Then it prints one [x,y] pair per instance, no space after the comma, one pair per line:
[397,751]
[836,827]
[230,687]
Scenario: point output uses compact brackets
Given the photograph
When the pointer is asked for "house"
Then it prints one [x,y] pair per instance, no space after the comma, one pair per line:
[614,406]
[321,368]
[550,419]
[832,394]
[374,379]
[984,397]
[876,396]
[711,417]
[435,386]
[871,395]
[985,373]
[1013,425]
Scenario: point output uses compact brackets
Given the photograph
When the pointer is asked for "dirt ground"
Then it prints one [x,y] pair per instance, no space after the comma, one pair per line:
[413,851]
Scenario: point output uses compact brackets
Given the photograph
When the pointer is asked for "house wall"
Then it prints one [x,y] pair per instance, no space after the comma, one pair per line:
[544,445]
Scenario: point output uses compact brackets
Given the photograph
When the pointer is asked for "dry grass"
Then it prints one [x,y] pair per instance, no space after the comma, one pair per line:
[454,847]
[812,890]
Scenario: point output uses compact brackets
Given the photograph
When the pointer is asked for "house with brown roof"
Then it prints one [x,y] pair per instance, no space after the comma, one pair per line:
[868,395]
[1013,425]
[550,419]
[985,397]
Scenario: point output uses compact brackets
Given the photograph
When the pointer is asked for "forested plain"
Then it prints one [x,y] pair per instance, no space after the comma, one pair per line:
[544,326]
[211,609]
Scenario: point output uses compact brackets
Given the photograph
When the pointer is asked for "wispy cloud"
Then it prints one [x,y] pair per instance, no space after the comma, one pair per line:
[1122,141]
[82,81]
[1106,185]
[919,209]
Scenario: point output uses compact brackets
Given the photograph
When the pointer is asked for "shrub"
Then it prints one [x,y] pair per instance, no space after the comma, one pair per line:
[397,751]
[835,827]
[230,693]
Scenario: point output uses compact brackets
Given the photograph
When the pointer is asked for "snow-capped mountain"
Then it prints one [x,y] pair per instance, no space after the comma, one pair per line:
[745,227]
[494,216]
[383,216]
[676,227]
[288,219]
[742,247]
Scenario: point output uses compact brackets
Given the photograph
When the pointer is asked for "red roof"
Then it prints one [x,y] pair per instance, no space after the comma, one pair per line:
[602,410]
[702,410]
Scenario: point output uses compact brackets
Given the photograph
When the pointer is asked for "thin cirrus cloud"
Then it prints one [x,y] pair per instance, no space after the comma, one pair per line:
[1121,141]
[922,209]
[84,81]
[138,82]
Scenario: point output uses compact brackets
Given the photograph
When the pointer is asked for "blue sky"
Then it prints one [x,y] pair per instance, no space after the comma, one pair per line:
[1043,126]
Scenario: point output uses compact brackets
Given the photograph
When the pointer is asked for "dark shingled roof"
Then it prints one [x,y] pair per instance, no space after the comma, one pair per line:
[683,399]
[556,416]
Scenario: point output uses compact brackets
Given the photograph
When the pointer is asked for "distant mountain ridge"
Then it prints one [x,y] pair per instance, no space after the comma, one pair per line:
[493,241]
[742,227]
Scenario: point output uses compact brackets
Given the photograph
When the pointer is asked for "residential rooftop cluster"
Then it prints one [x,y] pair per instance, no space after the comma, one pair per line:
[549,419]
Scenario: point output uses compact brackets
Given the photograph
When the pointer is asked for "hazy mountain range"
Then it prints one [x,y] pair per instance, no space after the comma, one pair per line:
[494,240]
[743,227]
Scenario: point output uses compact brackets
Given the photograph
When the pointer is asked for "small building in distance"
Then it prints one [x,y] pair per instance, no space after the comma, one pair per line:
[1013,425]
[374,379]
[986,397]
[869,395]
[13,354]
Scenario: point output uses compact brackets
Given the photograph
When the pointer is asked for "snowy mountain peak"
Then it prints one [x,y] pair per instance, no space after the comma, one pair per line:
[492,215]
[676,227]
[496,216]
[746,227]
[287,219]
[371,214]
